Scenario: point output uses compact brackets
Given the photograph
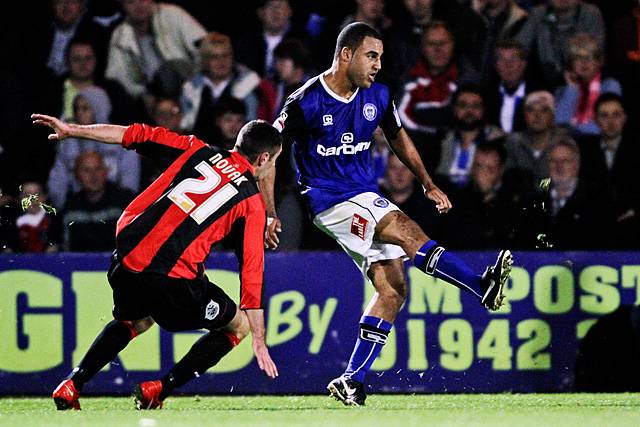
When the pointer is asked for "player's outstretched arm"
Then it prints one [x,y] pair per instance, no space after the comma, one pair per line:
[256,323]
[109,134]
[403,147]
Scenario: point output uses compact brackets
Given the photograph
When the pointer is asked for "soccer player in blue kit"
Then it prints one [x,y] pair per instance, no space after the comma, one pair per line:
[330,121]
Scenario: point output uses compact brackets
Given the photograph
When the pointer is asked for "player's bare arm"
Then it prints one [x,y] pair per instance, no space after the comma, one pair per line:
[403,147]
[109,134]
[256,324]
[274,226]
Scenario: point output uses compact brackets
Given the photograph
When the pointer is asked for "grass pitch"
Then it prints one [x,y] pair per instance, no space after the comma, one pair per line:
[513,410]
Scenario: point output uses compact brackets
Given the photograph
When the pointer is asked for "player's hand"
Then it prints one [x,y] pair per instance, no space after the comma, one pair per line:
[61,129]
[441,200]
[274,226]
[264,359]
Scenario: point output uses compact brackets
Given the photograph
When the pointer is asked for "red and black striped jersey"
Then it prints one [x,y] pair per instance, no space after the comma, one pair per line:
[172,225]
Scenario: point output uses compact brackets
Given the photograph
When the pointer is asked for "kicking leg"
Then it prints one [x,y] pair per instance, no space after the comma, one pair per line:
[428,256]
[376,323]
[112,340]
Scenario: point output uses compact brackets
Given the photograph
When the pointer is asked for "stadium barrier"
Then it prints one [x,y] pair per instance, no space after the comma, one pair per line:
[53,306]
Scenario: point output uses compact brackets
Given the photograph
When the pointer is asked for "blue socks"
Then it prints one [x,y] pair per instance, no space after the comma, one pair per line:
[373,335]
[436,261]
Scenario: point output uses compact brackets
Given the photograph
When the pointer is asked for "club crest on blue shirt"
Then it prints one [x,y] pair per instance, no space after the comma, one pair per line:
[381,202]
[369,111]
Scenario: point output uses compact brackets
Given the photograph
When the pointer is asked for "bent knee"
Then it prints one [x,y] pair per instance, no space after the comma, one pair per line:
[239,326]
[396,294]
[138,327]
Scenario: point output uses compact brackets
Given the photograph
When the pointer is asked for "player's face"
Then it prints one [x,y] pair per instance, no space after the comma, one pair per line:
[262,169]
[365,62]
[611,119]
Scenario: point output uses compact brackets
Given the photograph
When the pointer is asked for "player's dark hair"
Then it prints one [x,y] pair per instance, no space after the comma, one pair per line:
[257,137]
[352,36]
[607,97]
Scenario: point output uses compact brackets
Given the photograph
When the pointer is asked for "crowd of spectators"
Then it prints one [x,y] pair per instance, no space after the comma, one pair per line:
[524,112]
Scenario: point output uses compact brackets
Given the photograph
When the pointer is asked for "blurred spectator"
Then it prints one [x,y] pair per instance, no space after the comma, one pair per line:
[573,213]
[404,41]
[91,214]
[38,230]
[370,12]
[613,158]
[91,105]
[504,19]
[584,83]
[293,67]
[548,29]
[255,47]
[424,106]
[469,129]
[154,47]
[166,113]
[221,78]
[505,98]
[624,61]
[229,116]
[70,20]
[401,188]
[528,150]
[487,207]
[58,97]
[9,211]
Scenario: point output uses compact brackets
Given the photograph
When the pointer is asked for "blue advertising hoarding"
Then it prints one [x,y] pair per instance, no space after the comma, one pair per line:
[53,306]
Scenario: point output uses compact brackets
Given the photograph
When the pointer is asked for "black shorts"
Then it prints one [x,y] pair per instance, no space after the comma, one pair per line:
[175,304]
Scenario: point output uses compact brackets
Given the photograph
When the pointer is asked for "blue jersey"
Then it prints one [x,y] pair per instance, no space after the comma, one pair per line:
[332,139]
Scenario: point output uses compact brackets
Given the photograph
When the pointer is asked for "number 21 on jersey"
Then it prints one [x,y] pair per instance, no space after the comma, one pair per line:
[202,186]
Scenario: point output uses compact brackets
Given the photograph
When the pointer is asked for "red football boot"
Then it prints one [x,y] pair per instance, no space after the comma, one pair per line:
[147,395]
[66,396]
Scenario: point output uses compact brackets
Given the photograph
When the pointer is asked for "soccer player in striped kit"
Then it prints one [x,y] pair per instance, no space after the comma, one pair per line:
[162,241]
[330,122]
